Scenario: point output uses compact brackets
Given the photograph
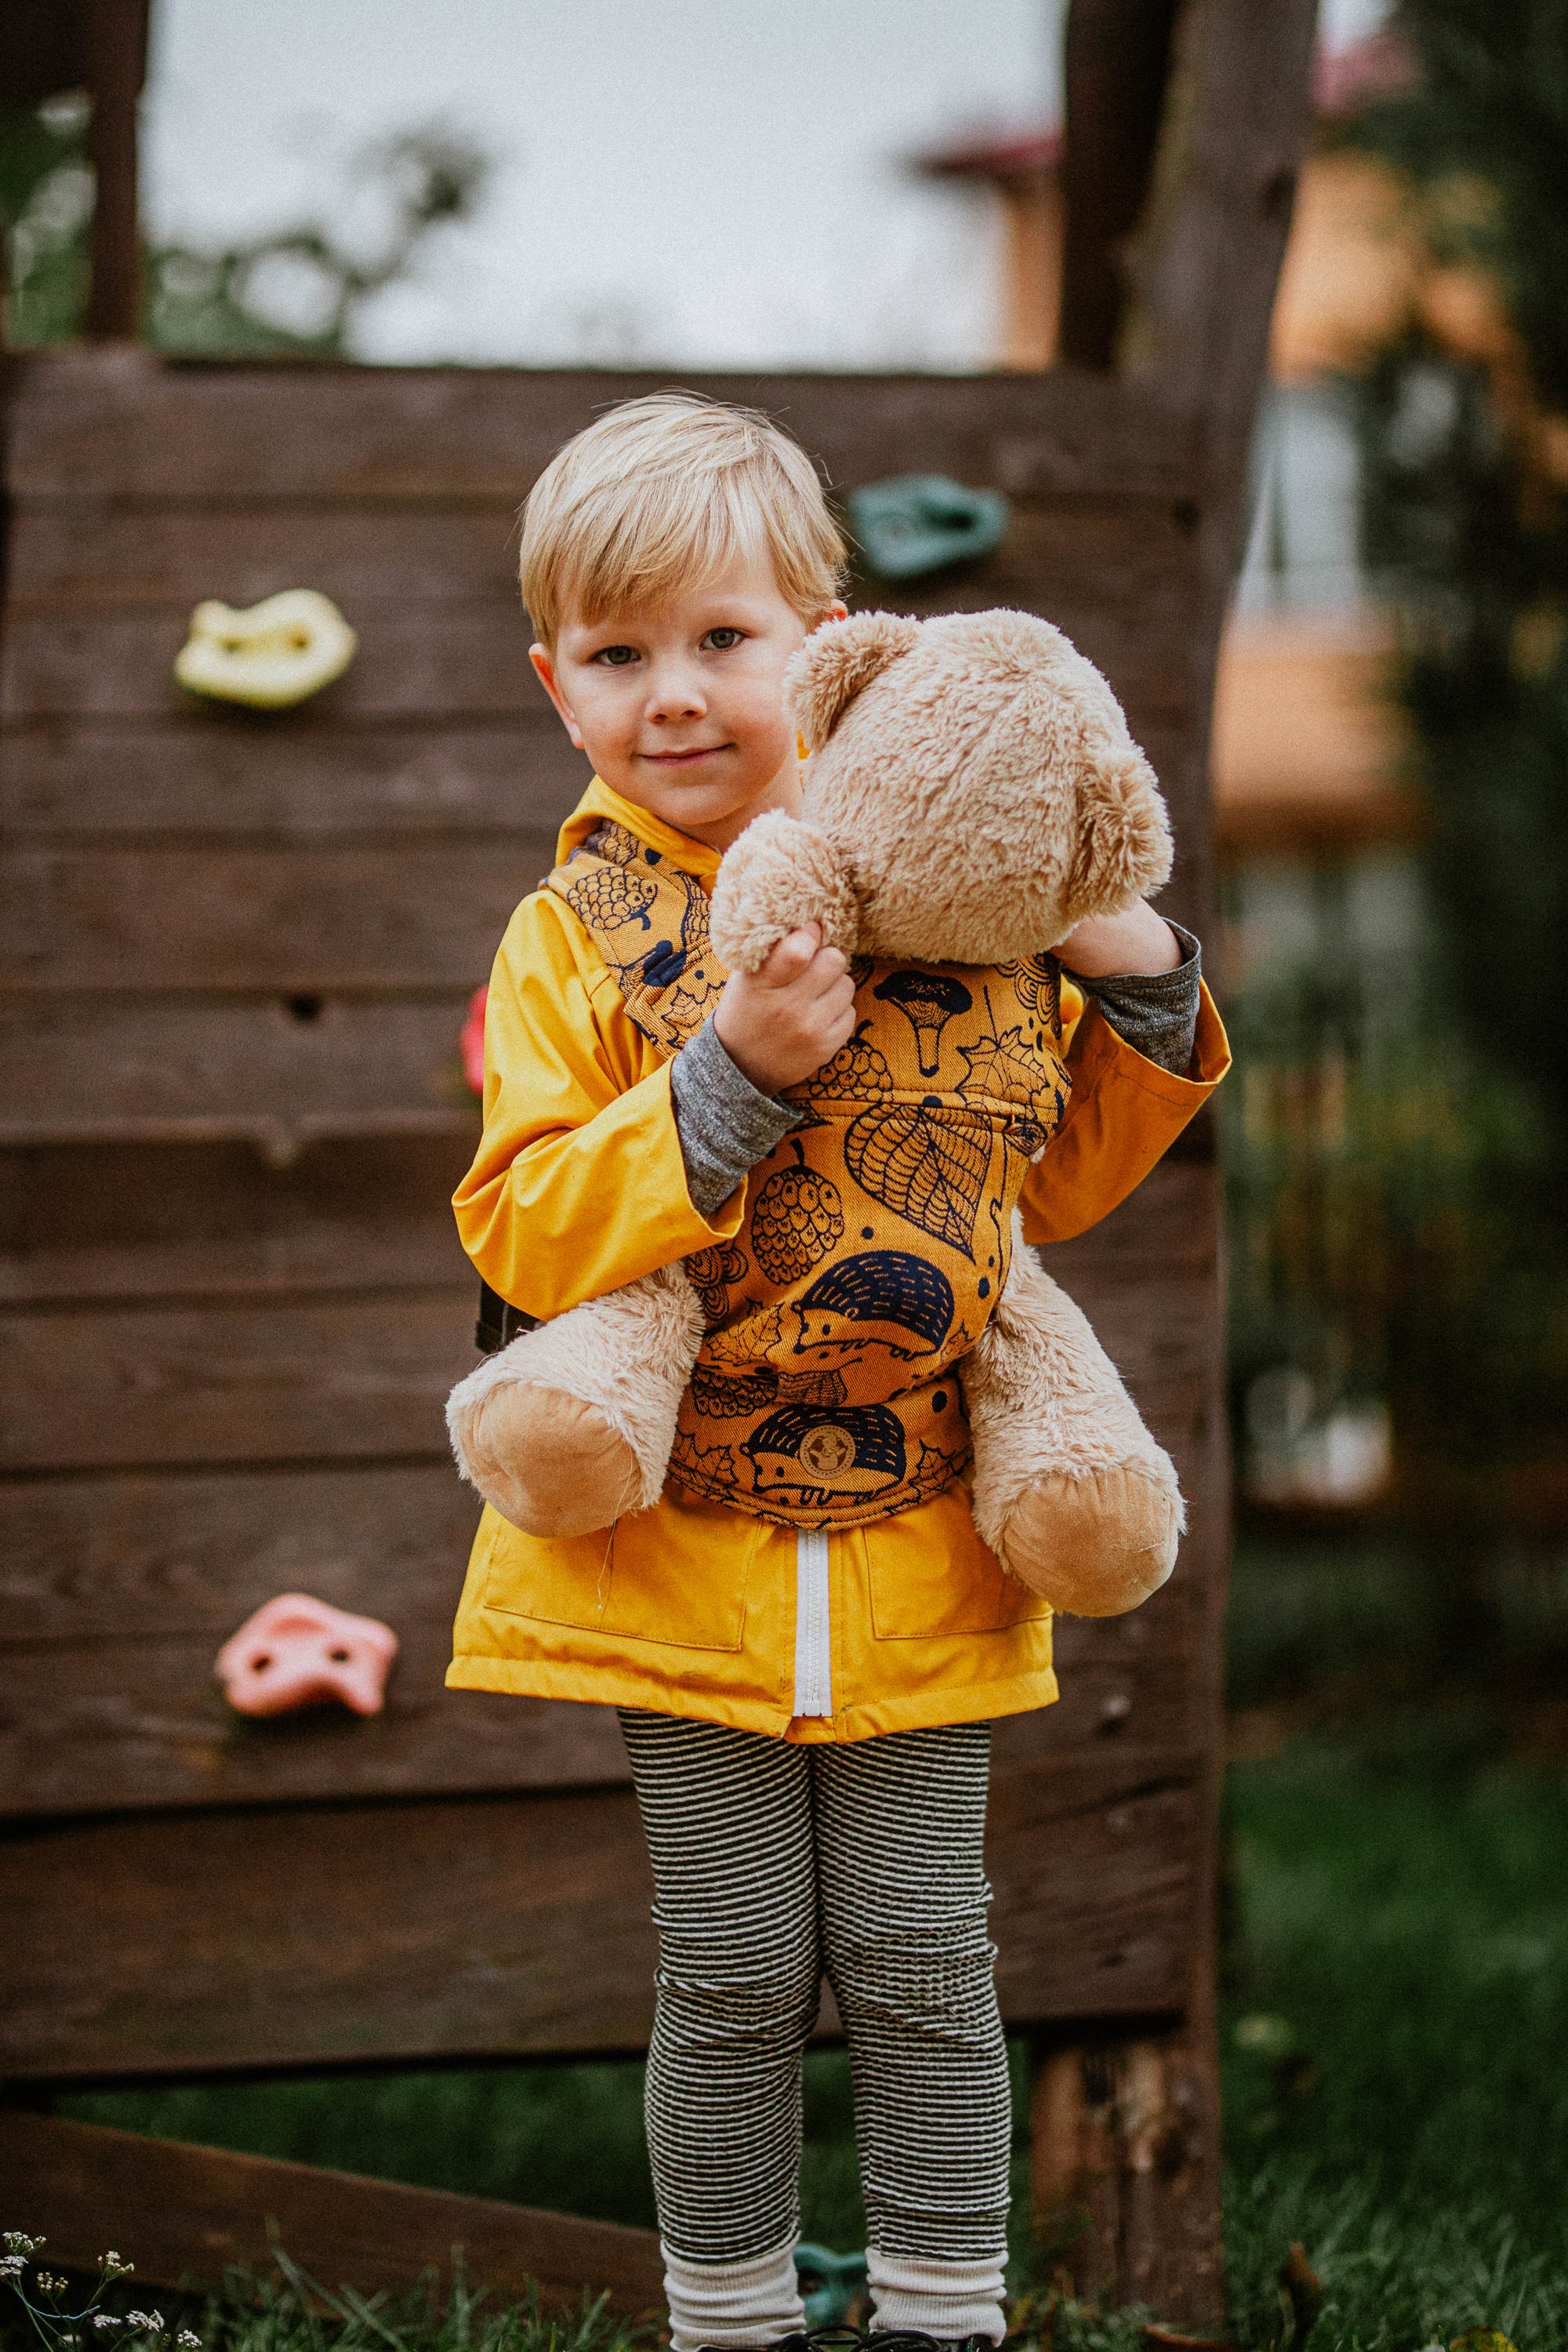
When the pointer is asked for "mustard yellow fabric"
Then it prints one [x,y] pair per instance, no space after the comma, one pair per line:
[578,1186]
[877,1237]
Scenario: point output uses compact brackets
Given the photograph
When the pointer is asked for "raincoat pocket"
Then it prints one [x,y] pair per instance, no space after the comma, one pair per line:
[628,1581]
[925,1591]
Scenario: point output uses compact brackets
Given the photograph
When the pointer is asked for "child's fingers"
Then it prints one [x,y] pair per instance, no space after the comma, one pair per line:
[828,971]
[791,958]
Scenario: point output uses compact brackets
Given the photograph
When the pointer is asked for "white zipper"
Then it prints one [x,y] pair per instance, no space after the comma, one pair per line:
[813,1631]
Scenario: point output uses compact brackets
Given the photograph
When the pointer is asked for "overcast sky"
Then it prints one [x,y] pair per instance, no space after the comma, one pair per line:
[676,182]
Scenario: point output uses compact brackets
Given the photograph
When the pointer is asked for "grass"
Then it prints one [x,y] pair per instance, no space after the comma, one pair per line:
[1396,2033]
[1395,1999]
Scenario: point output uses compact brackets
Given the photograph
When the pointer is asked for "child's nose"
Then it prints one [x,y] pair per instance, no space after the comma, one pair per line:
[676,692]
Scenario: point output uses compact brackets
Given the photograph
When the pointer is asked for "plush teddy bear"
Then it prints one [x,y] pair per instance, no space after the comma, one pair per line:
[878,1327]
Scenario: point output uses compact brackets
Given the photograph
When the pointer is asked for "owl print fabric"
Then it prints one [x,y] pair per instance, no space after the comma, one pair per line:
[877,1237]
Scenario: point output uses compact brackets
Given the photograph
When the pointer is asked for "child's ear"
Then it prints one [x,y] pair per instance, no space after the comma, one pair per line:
[835,662]
[545,670]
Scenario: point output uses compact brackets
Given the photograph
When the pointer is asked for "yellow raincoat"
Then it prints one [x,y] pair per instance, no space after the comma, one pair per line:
[690,1608]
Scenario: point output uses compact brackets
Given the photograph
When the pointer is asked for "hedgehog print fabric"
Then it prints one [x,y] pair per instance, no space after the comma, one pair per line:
[876,1330]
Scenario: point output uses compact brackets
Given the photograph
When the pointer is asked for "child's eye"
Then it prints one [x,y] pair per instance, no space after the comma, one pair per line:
[615,656]
[723,639]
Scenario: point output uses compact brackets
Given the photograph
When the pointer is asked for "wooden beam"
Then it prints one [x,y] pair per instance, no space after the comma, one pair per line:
[1210,259]
[183,2215]
[123,427]
[114,51]
[1116,59]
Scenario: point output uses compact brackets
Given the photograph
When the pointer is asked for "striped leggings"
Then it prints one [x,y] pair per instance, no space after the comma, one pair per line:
[775,1863]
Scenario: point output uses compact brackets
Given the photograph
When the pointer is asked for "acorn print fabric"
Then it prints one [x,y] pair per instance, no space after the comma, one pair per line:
[876,1236]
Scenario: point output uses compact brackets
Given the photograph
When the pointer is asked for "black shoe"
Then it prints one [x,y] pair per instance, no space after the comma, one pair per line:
[836,2338]
[912,2339]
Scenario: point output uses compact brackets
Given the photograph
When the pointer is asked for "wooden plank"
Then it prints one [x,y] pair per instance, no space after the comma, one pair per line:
[97,1727]
[425,914]
[329,1380]
[119,1592]
[219,1220]
[114,1221]
[1123,604]
[124,427]
[293,781]
[108,555]
[190,2212]
[175,1944]
[76,561]
[119,1222]
[1114,64]
[308,783]
[463,663]
[160,1070]
[337,1378]
[1207,275]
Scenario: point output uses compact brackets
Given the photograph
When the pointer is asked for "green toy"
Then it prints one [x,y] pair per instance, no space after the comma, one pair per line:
[914,523]
[829,2284]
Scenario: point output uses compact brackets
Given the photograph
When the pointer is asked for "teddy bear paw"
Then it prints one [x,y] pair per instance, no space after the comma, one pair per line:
[570,1425]
[549,1462]
[1097,1545]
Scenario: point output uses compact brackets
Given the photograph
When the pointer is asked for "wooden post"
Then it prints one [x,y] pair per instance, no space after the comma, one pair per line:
[1126,2134]
[1117,56]
[113,41]
[1116,2168]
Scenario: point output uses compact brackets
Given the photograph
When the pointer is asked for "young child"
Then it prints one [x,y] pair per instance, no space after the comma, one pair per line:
[806,1713]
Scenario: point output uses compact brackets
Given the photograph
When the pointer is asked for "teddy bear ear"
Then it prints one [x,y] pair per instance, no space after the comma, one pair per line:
[1124,839]
[835,662]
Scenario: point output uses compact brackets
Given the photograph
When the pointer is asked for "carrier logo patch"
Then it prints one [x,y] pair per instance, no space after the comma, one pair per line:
[802,1456]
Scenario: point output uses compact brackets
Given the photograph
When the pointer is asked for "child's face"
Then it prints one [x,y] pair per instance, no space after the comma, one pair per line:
[679,706]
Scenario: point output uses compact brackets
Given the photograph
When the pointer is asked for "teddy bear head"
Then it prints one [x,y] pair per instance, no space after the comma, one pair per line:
[976,780]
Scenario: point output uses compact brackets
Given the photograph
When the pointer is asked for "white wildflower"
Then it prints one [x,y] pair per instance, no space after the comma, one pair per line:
[104,2319]
[11,2266]
[187,2342]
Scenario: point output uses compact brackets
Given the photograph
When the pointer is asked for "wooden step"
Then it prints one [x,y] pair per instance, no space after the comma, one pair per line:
[183,2215]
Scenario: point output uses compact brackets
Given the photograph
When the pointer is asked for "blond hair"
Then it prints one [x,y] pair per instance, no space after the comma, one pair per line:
[664,493]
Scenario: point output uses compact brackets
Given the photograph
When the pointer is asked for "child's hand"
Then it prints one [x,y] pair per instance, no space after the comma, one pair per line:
[781,1023]
[1137,942]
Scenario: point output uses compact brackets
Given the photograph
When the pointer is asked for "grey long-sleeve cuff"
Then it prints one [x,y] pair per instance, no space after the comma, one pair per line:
[724,1122]
[1155,1012]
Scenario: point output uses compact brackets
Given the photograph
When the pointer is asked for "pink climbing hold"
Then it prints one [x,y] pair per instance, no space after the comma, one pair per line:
[471,1040]
[295,1651]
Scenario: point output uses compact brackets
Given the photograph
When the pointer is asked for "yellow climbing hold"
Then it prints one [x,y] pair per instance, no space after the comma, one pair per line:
[277,653]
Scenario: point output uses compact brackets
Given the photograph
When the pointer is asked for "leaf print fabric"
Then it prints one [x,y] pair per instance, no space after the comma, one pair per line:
[712,1272]
[928,1166]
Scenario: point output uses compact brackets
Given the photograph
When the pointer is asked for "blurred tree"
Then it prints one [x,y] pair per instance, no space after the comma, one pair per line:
[1436,1185]
[1464,430]
[295,291]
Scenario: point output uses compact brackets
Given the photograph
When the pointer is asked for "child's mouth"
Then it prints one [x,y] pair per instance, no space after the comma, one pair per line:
[683,759]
